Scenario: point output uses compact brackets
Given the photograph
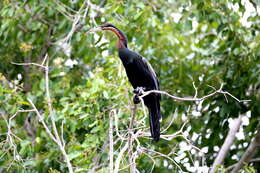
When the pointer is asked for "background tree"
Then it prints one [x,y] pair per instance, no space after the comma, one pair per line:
[201,42]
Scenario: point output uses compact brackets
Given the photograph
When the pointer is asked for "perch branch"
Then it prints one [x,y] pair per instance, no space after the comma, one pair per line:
[219,91]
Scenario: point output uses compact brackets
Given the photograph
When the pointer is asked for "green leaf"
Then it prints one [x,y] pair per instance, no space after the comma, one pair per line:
[74,154]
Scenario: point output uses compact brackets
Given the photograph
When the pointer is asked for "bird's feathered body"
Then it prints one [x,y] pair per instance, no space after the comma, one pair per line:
[139,71]
[140,74]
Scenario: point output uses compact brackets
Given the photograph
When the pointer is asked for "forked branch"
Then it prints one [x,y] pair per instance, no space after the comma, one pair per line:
[194,99]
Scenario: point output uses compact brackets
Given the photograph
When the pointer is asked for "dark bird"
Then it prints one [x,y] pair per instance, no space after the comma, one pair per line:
[142,77]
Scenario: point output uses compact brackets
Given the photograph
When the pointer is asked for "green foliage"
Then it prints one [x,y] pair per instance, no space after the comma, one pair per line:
[204,42]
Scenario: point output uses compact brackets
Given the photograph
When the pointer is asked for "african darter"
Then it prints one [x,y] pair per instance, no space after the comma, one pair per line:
[142,77]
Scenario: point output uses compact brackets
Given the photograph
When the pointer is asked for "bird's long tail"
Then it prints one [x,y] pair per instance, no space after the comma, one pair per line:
[154,119]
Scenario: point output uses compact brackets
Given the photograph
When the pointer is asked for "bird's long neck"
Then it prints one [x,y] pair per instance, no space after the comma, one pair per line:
[122,40]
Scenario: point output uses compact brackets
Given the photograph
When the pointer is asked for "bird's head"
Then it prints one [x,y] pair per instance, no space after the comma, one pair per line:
[114,29]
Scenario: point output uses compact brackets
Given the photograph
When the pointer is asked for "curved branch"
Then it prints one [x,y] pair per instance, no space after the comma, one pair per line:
[194,99]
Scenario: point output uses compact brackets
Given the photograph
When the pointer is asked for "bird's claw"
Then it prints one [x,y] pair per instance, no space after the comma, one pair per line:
[139,90]
[136,99]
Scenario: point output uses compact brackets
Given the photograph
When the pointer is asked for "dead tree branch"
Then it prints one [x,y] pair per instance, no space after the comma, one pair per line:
[39,65]
[140,133]
[162,155]
[55,137]
[10,137]
[119,158]
[111,143]
[249,153]
[227,143]
[234,165]
[130,141]
[219,91]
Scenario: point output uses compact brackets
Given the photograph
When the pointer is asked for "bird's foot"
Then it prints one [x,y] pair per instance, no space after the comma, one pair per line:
[136,99]
[139,90]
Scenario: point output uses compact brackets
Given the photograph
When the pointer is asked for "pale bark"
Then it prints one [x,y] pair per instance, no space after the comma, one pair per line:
[249,153]
[227,144]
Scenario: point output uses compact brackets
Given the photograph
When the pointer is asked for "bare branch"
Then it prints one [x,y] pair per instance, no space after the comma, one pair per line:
[41,119]
[130,141]
[31,63]
[111,143]
[49,102]
[116,125]
[172,118]
[56,138]
[62,132]
[219,91]
[65,43]
[119,158]
[249,153]
[234,165]
[152,160]
[9,139]
[57,141]
[162,155]
[196,90]
[44,60]
[227,143]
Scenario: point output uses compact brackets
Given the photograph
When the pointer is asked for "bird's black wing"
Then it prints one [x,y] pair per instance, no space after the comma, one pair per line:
[139,72]
[143,67]
[152,101]
[154,76]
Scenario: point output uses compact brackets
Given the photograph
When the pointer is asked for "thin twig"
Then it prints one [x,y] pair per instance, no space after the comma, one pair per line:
[9,138]
[152,160]
[41,119]
[196,90]
[116,125]
[119,157]
[57,137]
[162,155]
[130,141]
[62,132]
[49,102]
[31,63]
[44,60]
[111,143]
[169,125]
